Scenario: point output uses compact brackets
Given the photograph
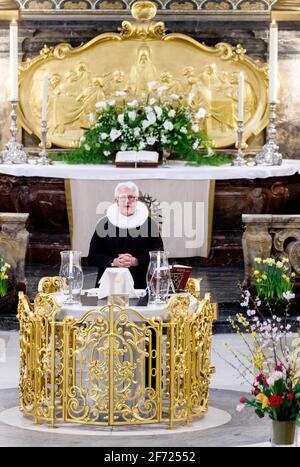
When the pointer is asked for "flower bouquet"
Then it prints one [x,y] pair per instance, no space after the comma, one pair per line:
[148,124]
[271,363]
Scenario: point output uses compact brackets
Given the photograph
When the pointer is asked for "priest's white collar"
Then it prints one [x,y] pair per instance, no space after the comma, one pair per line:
[137,219]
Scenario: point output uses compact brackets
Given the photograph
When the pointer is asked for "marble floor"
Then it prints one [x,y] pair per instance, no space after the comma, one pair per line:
[222,426]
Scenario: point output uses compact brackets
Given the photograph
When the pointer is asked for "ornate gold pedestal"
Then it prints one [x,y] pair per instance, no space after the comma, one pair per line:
[113,366]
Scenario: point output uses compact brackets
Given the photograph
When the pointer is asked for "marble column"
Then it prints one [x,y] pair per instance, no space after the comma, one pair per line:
[256,241]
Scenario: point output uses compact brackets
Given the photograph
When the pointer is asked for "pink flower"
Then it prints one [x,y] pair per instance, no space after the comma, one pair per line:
[243,400]
[240,407]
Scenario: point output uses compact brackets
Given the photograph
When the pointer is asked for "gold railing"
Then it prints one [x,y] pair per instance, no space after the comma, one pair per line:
[114,366]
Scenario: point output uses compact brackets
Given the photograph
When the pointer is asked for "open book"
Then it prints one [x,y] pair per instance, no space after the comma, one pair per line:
[180,275]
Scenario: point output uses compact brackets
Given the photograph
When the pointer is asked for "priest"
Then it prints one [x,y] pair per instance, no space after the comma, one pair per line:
[124,237]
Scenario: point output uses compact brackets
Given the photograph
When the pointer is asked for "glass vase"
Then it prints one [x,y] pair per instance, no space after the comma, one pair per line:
[284,433]
[158,277]
[72,275]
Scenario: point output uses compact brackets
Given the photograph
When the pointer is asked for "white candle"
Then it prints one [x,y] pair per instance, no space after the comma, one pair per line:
[273,61]
[71,263]
[13,60]
[45,98]
[241,98]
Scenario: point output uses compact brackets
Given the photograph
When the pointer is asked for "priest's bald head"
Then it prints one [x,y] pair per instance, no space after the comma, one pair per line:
[126,197]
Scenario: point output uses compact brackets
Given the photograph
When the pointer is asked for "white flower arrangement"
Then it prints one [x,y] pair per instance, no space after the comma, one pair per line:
[125,124]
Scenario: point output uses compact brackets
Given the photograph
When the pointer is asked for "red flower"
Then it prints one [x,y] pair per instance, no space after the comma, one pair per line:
[276,401]
[255,391]
[243,400]
[279,367]
[291,396]
[261,379]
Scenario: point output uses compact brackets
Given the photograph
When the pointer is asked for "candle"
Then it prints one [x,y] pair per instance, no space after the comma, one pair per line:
[71,263]
[273,59]
[13,60]
[45,98]
[241,98]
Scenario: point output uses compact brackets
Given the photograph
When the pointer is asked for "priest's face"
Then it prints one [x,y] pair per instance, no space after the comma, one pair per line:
[126,200]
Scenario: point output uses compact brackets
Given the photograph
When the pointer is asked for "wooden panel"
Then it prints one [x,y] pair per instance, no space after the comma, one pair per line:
[44,200]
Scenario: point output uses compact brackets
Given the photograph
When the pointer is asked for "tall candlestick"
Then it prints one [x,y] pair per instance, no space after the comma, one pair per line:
[273,62]
[241,98]
[13,60]
[45,98]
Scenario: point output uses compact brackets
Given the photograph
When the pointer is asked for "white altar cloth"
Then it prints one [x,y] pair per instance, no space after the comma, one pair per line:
[148,311]
[177,171]
[186,209]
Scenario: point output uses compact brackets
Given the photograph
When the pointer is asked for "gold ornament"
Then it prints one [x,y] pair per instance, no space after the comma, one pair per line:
[113,366]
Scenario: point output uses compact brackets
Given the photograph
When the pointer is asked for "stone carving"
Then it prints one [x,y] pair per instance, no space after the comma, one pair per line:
[13,242]
[180,5]
[267,234]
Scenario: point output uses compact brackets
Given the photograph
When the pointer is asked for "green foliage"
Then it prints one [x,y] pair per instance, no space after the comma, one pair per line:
[150,125]
[272,279]
[4,267]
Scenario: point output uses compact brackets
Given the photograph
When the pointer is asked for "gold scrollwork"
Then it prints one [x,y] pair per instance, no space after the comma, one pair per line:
[113,366]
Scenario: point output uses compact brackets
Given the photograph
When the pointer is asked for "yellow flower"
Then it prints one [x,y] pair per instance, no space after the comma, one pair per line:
[263,399]
[264,277]
[257,260]
[258,281]
[256,272]
[279,264]
[293,274]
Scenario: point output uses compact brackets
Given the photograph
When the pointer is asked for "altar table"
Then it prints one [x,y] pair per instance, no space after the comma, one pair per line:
[40,190]
[177,170]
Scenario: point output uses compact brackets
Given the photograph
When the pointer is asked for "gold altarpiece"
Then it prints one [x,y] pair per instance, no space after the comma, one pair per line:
[140,53]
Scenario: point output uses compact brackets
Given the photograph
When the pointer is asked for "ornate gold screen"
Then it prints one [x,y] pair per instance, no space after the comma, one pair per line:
[142,52]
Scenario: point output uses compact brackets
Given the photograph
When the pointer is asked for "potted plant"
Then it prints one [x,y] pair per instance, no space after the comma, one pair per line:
[7,288]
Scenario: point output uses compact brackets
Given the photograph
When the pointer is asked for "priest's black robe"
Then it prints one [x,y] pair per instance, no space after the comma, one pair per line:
[137,241]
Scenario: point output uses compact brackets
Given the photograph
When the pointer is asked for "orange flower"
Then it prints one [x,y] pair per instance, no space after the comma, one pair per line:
[263,399]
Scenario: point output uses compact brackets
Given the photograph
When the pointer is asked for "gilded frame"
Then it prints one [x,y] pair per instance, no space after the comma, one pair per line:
[203,76]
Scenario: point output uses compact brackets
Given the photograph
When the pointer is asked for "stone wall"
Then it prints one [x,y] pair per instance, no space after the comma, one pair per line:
[253,35]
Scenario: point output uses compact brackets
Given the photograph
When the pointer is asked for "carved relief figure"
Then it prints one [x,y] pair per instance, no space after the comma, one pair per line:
[115,82]
[89,98]
[66,109]
[198,94]
[53,104]
[144,70]
[222,105]
[169,85]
